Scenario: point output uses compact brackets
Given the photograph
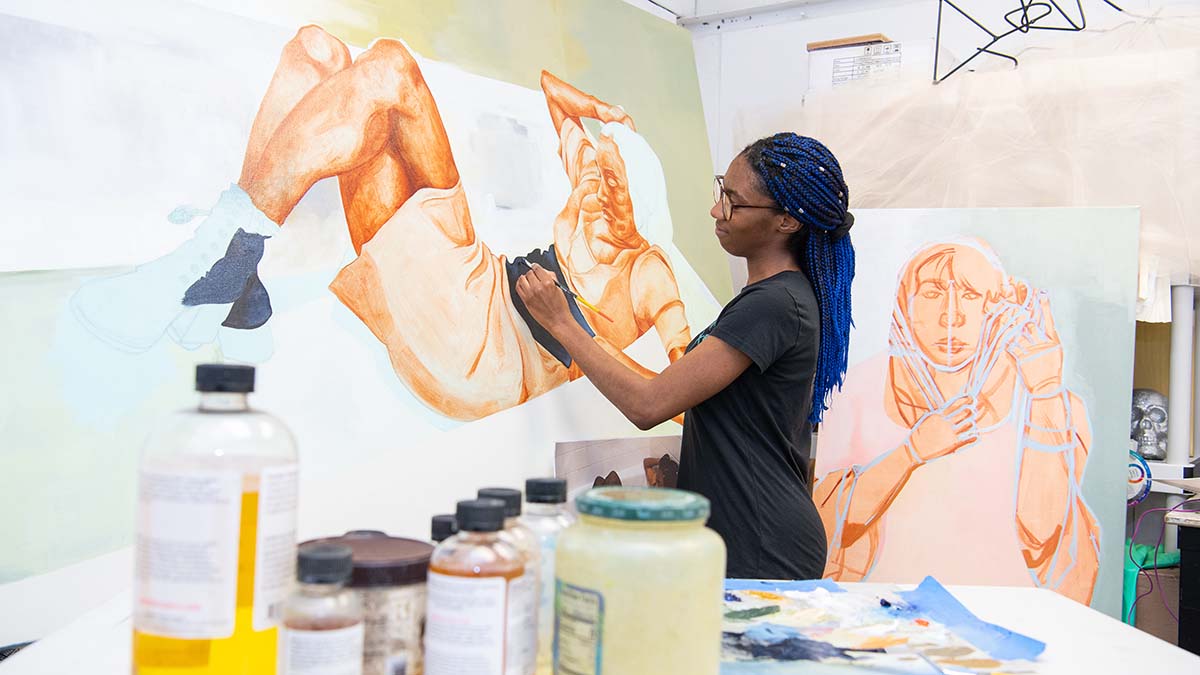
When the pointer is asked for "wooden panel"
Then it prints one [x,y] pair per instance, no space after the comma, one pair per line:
[1152,356]
[873,38]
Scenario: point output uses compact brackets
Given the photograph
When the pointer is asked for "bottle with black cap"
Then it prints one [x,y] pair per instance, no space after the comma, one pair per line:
[466,624]
[322,619]
[389,578]
[546,516]
[216,492]
[442,527]
[523,592]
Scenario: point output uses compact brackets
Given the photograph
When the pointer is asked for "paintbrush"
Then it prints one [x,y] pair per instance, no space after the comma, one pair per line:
[573,294]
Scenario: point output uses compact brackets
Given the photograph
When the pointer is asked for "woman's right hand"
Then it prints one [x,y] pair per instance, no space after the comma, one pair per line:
[945,430]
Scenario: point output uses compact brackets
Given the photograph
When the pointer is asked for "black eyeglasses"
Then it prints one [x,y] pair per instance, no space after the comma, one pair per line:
[721,196]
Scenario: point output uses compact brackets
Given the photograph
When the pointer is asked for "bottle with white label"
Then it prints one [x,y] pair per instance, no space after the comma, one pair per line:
[524,592]
[215,538]
[466,616]
[322,632]
[546,516]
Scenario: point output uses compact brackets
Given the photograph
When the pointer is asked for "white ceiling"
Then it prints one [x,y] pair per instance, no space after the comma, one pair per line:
[694,8]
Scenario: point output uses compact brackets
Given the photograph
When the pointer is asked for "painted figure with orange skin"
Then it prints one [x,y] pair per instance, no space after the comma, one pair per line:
[434,294]
[985,455]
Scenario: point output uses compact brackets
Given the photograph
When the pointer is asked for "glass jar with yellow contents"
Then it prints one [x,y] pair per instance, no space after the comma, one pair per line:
[639,583]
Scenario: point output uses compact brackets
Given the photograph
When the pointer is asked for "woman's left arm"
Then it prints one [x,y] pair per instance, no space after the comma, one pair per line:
[647,402]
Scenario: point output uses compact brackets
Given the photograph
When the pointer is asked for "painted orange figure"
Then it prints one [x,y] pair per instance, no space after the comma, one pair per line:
[986,447]
[440,301]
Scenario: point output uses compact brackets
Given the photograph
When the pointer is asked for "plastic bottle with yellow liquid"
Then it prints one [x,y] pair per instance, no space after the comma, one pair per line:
[215,536]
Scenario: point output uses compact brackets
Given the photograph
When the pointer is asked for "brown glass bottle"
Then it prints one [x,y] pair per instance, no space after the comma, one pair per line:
[469,574]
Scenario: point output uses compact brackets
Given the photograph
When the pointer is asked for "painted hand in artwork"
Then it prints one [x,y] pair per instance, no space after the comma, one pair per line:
[614,113]
[1037,348]
[565,101]
[941,432]
[539,290]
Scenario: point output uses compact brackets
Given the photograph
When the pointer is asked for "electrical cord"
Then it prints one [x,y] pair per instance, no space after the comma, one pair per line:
[1157,544]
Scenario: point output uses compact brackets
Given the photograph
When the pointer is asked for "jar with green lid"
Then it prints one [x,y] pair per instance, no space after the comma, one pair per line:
[639,585]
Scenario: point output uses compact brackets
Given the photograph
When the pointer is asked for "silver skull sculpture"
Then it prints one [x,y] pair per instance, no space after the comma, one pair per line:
[1148,423]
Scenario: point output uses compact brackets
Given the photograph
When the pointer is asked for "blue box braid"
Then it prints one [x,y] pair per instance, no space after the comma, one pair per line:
[805,179]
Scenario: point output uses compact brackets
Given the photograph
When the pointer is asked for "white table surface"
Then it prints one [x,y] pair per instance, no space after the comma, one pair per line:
[1079,640]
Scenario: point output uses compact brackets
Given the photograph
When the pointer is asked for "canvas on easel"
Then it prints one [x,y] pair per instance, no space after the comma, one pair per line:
[980,436]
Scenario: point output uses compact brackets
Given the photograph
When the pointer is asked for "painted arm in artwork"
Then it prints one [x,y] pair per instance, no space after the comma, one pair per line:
[656,302]
[568,107]
[1058,534]
[851,501]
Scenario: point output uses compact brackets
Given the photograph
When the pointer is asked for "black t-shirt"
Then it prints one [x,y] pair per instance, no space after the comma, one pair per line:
[747,447]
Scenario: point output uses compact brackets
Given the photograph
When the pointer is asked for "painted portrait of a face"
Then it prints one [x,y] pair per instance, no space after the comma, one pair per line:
[945,295]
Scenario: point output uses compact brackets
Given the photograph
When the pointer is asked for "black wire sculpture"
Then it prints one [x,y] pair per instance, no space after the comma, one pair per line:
[1029,15]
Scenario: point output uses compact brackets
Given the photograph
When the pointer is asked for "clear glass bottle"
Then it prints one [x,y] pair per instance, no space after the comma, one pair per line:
[640,585]
[546,516]
[322,631]
[215,534]
[524,592]
[466,617]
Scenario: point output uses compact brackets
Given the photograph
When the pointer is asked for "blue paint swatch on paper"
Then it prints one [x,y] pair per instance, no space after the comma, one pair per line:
[933,601]
[784,643]
[806,585]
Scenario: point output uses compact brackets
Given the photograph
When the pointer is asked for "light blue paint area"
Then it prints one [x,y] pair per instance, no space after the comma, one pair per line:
[897,667]
[933,601]
[100,385]
[198,326]
[182,215]
[131,311]
[246,346]
[290,292]
[771,633]
[805,585]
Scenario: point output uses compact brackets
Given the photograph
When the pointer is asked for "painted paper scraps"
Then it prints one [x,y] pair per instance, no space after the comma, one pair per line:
[804,585]
[932,600]
[773,623]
